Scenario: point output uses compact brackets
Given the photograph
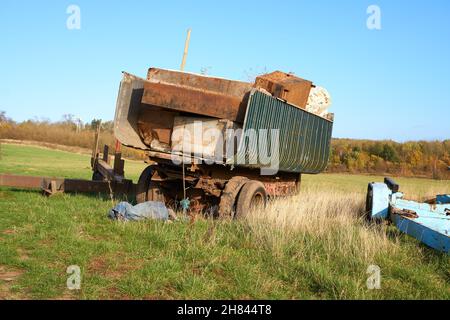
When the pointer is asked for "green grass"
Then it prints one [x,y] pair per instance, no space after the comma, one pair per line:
[40,237]
[36,161]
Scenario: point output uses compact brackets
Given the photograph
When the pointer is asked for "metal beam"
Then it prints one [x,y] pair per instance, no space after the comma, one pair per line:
[51,185]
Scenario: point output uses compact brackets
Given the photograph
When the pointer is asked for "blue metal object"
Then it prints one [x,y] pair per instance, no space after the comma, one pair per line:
[443,199]
[429,223]
[379,197]
[185,203]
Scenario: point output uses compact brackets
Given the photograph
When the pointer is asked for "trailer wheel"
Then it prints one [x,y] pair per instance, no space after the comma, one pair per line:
[146,189]
[252,195]
[227,203]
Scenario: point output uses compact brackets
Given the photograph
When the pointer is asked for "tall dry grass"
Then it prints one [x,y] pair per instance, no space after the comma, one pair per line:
[329,223]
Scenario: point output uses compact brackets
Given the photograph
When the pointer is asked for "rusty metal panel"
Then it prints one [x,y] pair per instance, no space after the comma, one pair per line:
[66,185]
[12,180]
[87,186]
[292,89]
[197,81]
[157,128]
[304,138]
[198,94]
[128,107]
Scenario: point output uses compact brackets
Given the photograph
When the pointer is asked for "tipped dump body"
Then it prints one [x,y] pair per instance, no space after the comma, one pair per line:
[148,109]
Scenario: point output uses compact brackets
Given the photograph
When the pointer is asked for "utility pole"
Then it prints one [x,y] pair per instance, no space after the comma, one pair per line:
[185,202]
[186,48]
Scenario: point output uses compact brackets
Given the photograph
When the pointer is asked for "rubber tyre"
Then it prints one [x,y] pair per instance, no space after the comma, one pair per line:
[251,195]
[227,205]
[148,190]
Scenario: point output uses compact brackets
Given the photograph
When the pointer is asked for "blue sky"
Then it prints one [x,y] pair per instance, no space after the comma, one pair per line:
[392,83]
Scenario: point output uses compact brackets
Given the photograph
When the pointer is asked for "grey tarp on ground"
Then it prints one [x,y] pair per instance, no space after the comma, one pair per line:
[147,210]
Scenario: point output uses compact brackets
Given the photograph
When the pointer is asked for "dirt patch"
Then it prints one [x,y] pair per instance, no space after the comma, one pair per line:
[98,265]
[23,254]
[67,295]
[113,293]
[9,231]
[8,276]
[113,267]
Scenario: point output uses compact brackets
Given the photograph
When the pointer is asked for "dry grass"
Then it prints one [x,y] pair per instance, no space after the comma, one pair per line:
[316,245]
[55,135]
[333,219]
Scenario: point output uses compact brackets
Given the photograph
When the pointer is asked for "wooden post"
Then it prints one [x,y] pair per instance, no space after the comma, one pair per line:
[106,153]
[95,147]
[119,164]
[118,147]
[186,48]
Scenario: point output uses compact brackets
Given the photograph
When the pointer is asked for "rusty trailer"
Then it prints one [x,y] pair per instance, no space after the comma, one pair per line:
[263,140]
[150,112]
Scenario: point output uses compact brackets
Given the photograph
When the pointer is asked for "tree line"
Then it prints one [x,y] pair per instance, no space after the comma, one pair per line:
[413,158]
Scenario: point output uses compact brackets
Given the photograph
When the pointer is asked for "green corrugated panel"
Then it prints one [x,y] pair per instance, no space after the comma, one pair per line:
[304,137]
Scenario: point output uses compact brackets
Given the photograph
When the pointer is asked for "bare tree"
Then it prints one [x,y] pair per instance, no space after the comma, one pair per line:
[3,117]
[205,70]
[252,73]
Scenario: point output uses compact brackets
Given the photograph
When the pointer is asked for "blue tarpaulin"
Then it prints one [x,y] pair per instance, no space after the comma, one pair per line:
[147,210]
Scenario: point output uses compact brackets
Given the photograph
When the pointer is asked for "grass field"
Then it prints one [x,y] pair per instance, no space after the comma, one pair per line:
[312,246]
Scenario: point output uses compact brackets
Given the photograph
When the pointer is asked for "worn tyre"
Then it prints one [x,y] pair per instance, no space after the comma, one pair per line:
[146,189]
[227,205]
[252,195]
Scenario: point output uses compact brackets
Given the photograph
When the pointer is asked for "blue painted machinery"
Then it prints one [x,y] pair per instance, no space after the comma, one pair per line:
[428,222]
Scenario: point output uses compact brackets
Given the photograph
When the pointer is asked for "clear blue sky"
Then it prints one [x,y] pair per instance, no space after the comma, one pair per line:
[393,83]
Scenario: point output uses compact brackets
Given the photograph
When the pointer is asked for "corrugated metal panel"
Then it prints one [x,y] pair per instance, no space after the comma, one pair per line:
[304,137]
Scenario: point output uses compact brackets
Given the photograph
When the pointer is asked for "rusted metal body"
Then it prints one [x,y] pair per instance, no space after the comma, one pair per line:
[285,86]
[198,94]
[304,137]
[149,110]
